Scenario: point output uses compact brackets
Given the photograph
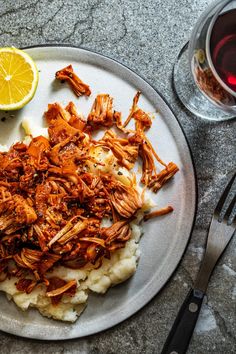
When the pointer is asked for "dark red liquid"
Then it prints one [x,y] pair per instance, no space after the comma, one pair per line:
[223,47]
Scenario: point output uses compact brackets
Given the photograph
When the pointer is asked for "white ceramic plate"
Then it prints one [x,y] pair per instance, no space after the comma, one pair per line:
[165,238]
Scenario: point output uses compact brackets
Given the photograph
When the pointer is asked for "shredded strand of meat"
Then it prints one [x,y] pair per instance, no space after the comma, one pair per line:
[62,289]
[102,113]
[77,85]
[166,210]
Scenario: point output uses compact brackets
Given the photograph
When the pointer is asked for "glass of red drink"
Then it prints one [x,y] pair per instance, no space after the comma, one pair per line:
[204,74]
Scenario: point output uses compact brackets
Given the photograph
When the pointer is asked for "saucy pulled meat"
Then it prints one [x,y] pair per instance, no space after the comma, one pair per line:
[52,204]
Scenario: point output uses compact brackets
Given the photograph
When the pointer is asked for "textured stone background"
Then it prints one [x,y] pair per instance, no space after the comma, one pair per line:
[146,36]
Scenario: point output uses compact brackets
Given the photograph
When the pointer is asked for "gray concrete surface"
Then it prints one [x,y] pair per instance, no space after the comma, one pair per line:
[146,36]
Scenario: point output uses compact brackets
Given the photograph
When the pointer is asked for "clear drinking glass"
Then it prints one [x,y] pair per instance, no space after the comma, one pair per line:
[204,74]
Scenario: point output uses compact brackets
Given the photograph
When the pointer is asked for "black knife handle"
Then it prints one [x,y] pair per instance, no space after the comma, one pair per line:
[179,337]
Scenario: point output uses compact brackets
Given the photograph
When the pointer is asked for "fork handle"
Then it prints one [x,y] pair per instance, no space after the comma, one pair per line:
[179,337]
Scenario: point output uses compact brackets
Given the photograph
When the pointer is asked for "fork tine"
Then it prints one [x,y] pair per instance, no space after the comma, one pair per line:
[230,208]
[224,195]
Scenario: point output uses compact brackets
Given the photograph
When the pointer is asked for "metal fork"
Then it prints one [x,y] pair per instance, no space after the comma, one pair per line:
[221,230]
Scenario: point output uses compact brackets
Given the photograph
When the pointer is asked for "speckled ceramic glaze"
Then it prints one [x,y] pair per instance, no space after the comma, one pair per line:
[164,239]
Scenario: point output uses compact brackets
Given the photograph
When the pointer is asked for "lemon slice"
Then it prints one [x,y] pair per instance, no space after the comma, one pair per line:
[18,78]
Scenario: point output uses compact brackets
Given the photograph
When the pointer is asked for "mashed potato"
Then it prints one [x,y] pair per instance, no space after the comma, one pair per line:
[121,266]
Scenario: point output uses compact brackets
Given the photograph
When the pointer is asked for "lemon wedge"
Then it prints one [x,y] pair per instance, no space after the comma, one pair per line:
[18,78]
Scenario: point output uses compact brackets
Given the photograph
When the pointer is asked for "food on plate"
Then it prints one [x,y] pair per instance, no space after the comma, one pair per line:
[162,211]
[70,207]
[102,113]
[77,85]
[18,78]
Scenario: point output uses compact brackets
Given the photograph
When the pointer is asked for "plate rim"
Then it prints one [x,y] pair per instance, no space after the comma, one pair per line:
[111,325]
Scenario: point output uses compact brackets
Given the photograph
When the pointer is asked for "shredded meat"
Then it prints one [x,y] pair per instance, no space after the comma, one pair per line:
[57,287]
[157,181]
[102,113]
[77,85]
[125,200]
[162,211]
[125,152]
[133,109]
[52,204]
[15,213]
[150,177]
